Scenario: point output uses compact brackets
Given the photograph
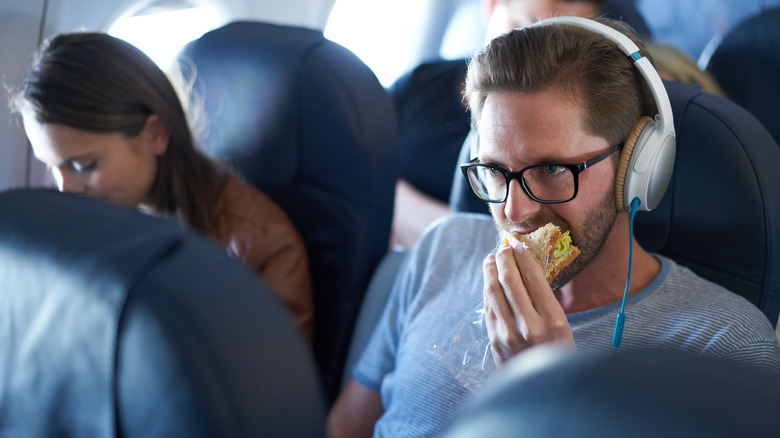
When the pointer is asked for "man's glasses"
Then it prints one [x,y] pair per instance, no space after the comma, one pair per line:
[545,183]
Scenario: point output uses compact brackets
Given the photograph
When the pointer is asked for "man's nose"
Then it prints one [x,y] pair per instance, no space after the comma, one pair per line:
[519,206]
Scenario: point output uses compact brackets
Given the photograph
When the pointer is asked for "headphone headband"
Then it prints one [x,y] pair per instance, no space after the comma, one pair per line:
[647,160]
[625,45]
[651,158]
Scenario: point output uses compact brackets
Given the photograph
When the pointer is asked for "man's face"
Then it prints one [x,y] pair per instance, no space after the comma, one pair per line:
[518,130]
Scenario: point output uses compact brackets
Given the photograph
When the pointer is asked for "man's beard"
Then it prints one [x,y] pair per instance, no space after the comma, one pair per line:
[589,239]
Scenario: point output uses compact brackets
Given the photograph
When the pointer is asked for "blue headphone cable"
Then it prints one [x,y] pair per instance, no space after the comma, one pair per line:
[621,317]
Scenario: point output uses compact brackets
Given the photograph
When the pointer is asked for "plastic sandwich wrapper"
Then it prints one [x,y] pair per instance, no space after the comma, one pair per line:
[465,349]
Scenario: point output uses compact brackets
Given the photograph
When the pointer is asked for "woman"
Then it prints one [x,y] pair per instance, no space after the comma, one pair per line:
[109,124]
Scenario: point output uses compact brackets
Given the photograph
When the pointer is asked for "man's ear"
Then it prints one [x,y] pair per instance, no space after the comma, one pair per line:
[157,134]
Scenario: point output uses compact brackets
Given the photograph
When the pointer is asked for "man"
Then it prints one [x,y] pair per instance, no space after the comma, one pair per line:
[434,121]
[542,95]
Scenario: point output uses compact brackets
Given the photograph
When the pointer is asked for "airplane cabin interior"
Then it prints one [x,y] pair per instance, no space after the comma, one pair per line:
[118,321]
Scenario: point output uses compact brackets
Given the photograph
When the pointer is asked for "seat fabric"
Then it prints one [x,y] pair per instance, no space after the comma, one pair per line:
[116,323]
[308,123]
[746,64]
[650,393]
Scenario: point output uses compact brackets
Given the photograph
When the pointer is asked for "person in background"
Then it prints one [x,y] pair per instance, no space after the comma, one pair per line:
[434,120]
[553,105]
[109,125]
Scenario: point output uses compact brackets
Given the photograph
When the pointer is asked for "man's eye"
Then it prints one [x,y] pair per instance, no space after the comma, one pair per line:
[552,169]
[494,171]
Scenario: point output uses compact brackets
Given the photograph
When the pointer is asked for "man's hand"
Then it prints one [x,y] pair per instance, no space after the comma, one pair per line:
[520,308]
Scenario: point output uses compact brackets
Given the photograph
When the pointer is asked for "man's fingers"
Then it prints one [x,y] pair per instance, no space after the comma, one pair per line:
[497,307]
[503,325]
[537,287]
[513,283]
[520,308]
[548,320]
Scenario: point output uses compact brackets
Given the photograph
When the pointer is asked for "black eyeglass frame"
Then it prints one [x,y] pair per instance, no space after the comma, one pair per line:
[575,170]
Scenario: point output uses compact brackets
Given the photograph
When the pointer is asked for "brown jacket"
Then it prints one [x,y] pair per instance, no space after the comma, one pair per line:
[255,230]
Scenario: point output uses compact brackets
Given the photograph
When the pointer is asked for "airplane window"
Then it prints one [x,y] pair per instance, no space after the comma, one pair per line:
[162,33]
[465,33]
[384,35]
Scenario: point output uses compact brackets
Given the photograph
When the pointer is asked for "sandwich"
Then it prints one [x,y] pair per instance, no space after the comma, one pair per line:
[551,248]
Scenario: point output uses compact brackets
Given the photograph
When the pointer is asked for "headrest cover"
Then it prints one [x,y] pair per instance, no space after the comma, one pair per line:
[651,393]
[64,279]
[116,323]
[247,77]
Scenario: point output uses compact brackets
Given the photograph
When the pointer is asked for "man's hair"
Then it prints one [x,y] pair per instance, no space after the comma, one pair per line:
[586,66]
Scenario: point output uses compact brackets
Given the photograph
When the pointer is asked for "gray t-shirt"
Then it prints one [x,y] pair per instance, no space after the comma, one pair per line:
[441,283]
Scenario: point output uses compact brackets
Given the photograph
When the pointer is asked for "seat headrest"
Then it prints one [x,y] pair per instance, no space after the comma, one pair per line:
[271,92]
[721,213]
[115,322]
[249,77]
[650,393]
[308,123]
[746,63]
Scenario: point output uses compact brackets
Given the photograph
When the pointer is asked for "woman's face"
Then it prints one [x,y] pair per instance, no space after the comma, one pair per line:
[106,166]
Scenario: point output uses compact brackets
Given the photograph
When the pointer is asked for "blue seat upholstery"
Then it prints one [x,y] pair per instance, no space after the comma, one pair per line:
[642,394]
[746,64]
[116,323]
[307,122]
[721,213]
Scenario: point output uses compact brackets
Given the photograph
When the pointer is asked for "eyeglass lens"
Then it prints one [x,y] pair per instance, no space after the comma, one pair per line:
[544,182]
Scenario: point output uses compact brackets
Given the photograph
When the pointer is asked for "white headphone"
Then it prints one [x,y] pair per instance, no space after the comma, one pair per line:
[647,158]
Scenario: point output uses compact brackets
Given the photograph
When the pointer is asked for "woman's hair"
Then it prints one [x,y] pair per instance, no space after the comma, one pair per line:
[674,64]
[99,83]
[585,65]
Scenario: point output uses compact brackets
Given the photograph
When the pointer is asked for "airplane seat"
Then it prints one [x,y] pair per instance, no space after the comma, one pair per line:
[307,122]
[746,64]
[721,213]
[546,392]
[372,307]
[117,323]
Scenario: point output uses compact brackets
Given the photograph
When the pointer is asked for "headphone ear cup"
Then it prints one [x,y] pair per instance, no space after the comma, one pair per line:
[625,159]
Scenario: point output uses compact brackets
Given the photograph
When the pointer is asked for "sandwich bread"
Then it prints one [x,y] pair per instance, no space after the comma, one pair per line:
[551,248]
